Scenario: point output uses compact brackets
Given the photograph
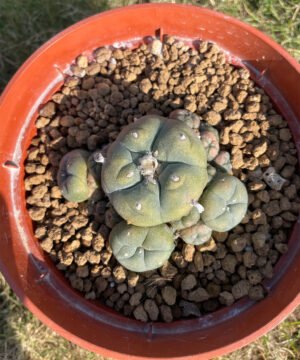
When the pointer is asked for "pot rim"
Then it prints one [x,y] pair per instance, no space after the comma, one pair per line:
[7,93]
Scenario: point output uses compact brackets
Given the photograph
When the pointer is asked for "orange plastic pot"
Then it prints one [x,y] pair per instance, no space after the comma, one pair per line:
[32,275]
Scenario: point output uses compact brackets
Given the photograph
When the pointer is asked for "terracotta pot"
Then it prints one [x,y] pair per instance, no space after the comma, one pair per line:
[32,275]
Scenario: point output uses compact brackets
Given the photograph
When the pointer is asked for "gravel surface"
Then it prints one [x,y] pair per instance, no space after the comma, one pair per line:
[111,89]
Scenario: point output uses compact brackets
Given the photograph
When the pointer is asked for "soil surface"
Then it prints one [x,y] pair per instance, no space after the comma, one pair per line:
[111,89]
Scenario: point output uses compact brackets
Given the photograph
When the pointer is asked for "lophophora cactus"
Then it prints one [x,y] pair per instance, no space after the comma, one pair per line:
[140,248]
[167,178]
[225,203]
[196,234]
[155,171]
[76,178]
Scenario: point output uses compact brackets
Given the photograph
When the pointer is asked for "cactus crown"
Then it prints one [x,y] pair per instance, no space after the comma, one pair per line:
[154,171]
[148,166]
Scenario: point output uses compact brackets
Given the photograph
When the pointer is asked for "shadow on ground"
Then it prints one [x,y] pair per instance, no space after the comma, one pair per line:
[26,25]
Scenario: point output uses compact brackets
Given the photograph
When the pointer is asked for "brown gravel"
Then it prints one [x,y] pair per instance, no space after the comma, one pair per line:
[110,91]
[169,295]
[188,282]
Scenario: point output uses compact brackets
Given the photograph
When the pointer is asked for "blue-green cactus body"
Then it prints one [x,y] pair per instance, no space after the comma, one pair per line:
[197,234]
[139,248]
[211,172]
[222,161]
[154,170]
[73,177]
[210,140]
[225,203]
[154,174]
[190,119]
[186,221]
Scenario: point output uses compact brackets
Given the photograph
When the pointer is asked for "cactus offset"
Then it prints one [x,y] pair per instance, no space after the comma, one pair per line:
[225,203]
[210,140]
[222,161]
[190,119]
[197,234]
[140,248]
[74,178]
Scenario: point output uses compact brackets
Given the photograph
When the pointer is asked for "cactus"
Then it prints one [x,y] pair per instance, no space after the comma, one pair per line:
[154,171]
[225,202]
[140,248]
[74,178]
[197,234]
[186,221]
[210,140]
[190,119]
[222,161]
[211,172]
[154,174]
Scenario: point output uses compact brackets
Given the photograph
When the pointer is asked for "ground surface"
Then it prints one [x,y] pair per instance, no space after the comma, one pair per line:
[25,25]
